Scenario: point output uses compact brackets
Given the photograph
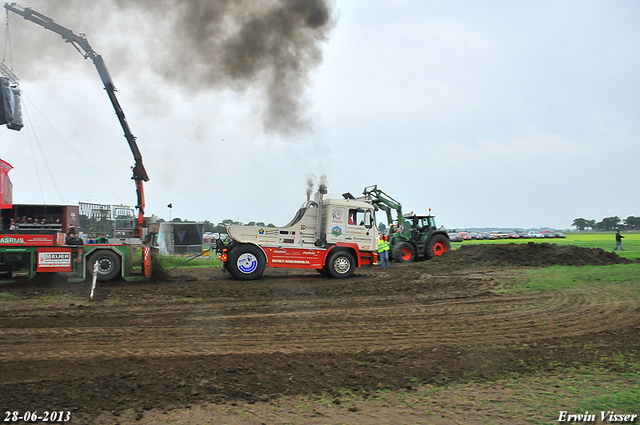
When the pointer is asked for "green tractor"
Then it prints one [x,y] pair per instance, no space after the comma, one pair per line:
[411,236]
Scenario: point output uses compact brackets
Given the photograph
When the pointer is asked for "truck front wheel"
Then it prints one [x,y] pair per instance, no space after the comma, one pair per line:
[340,264]
[245,262]
[108,264]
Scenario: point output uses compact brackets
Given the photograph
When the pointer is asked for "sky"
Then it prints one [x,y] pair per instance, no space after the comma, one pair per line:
[506,114]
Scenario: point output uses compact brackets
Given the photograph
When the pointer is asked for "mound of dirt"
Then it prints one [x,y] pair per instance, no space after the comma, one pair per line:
[531,255]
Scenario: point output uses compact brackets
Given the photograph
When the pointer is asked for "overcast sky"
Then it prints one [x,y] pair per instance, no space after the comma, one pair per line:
[491,114]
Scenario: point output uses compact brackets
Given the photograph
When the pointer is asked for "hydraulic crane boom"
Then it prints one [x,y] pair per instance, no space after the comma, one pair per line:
[82,45]
[384,202]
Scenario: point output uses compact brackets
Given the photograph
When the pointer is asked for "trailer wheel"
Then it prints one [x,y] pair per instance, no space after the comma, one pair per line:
[341,264]
[108,265]
[403,253]
[246,262]
[437,245]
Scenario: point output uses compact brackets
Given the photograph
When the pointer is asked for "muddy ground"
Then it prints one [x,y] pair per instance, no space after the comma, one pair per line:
[197,346]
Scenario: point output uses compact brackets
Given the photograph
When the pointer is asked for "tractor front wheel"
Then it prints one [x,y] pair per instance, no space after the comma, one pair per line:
[403,252]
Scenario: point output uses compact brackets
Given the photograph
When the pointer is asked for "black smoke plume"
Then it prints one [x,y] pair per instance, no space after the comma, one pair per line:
[263,47]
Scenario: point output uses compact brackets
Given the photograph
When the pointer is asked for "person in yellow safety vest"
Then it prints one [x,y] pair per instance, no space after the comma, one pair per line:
[383,251]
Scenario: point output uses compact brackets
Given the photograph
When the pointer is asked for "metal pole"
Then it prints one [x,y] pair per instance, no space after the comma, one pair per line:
[95,278]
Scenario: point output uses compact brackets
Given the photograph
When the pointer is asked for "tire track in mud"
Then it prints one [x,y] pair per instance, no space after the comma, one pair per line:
[314,324]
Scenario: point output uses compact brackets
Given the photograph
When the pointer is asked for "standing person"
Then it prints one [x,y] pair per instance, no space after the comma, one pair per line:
[102,239]
[383,251]
[618,241]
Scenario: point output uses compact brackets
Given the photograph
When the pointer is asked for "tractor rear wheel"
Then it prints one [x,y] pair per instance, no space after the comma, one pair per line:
[403,252]
[437,245]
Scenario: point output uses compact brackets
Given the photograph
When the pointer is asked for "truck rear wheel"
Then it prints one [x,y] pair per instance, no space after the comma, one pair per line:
[437,245]
[403,252]
[108,264]
[340,264]
[246,262]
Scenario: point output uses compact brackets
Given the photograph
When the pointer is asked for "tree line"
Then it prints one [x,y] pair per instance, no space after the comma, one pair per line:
[608,223]
[220,227]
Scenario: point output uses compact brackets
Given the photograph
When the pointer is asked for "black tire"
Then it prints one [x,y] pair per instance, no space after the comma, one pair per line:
[340,264]
[246,262]
[403,252]
[437,245]
[323,272]
[108,265]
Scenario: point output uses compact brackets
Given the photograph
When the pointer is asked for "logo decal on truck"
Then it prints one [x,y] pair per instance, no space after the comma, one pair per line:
[336,231]
[336,215]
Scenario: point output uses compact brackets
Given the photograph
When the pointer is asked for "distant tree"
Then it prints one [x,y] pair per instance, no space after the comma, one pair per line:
[208,226]
[632,222]
[591,224]
[382,226]
[579,223]
[176,220]
[220,227]
[608,223]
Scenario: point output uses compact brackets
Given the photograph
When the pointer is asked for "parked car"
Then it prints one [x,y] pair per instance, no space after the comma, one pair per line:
[513,235]
[465,236]
[455,237]
[549,235]
[207,237]
[560,235]
[487,236]
[533,234]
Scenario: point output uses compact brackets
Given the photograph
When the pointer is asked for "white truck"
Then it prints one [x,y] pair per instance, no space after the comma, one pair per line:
[332,236]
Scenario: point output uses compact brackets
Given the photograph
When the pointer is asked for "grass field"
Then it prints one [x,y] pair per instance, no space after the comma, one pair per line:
[603,240]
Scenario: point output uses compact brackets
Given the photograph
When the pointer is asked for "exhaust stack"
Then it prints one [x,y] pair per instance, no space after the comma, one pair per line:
[322,190]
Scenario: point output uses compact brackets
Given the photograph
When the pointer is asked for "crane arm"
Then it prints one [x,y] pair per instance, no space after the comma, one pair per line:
[82,45]
[384,202]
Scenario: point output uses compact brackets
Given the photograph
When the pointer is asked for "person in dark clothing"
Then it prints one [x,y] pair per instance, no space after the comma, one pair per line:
[618,241]
[73,239]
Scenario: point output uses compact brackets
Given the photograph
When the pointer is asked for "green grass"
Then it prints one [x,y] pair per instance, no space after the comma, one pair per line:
[6,296]
[603,240]
[619,399]
[535,399]
[560,277]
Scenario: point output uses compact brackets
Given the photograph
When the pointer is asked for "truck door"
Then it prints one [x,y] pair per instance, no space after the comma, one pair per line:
[361,229]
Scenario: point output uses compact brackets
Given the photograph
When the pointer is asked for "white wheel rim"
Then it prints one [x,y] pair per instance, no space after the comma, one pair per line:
[247,263]
[341,265]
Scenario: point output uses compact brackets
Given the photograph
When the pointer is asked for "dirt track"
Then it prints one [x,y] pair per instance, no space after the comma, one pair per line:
[200,337]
